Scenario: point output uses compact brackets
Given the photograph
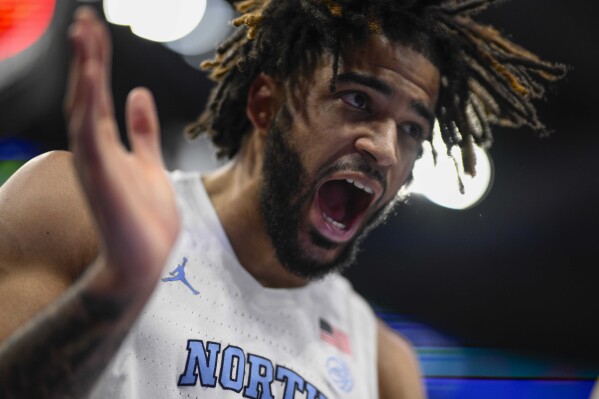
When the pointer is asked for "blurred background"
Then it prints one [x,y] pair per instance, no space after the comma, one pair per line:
[499,297]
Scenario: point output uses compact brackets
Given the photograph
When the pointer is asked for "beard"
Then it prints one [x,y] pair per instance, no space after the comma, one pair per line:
[287,190]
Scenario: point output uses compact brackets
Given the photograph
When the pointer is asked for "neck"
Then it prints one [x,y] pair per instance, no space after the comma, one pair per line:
[234,191]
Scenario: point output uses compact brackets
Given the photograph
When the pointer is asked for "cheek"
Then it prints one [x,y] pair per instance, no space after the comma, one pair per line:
[308,146]
[408,152]
[409,148]
[403,171]
[317,144]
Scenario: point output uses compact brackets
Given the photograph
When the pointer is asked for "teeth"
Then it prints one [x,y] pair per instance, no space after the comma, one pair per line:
[360,186]
[333,222]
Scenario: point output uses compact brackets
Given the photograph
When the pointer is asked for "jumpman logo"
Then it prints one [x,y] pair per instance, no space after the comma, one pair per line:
[179,275]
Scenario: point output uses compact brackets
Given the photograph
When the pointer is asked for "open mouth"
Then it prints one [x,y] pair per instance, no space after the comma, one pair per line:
[341,204]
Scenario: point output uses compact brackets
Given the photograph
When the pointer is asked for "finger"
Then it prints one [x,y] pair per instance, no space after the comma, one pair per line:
[85,62]
[143,128]
[77,33]
[97,149]
[104,49]
[93,136]
[90,41]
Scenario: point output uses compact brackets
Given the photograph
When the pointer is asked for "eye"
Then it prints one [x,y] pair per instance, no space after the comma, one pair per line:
[413,130]
[356,99]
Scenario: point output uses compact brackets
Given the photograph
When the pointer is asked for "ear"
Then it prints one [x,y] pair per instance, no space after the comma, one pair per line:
[262,102]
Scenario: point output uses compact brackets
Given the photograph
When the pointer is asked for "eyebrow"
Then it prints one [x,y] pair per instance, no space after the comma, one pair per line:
[424,112]
[382,87]
[365,80]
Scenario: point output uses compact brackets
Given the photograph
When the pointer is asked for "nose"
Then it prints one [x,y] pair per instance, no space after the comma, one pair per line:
[379,143]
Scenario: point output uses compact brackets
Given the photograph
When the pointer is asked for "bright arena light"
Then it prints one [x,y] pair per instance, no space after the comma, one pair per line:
[439,183]
[119,12]
[211,30]
[156,20]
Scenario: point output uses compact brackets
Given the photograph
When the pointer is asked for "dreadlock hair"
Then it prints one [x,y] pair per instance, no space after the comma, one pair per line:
[486,78]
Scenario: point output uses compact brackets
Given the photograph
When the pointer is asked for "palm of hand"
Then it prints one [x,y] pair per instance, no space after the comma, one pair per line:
[129,193]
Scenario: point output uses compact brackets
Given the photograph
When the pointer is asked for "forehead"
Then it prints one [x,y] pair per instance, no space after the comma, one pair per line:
[396,63]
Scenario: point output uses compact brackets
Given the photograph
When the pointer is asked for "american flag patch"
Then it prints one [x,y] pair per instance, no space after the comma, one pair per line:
[335,337]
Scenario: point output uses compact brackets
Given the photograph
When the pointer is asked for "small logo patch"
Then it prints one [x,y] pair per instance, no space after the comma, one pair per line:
[339,374]
[179,275]
[334,336]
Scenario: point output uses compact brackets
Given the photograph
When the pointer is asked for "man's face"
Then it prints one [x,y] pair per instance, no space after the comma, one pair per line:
[334,162]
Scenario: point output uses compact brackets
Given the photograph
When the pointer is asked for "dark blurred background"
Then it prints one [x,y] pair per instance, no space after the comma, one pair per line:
[517,271]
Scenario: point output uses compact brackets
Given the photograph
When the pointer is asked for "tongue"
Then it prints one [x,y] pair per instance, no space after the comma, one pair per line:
[333,199]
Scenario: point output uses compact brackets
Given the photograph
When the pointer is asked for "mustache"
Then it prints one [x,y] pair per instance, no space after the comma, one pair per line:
[354,163]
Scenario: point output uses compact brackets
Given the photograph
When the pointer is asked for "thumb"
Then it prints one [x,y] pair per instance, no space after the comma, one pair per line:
[143,128]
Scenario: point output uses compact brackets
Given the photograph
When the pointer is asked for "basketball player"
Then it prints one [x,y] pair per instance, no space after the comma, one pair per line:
[120,280]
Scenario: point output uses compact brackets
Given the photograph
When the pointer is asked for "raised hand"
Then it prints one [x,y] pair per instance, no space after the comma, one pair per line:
[62,350]
[129,193]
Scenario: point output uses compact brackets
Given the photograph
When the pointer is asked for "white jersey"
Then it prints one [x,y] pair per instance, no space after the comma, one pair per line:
[210,330]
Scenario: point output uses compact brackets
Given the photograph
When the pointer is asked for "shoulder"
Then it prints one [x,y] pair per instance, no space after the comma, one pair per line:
[44,217]
[398,368]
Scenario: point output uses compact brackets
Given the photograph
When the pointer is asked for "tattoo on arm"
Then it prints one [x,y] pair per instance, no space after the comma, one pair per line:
[64,350]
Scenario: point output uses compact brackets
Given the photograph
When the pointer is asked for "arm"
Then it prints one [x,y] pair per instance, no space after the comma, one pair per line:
[63,350]
[47,237]
[399,372]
